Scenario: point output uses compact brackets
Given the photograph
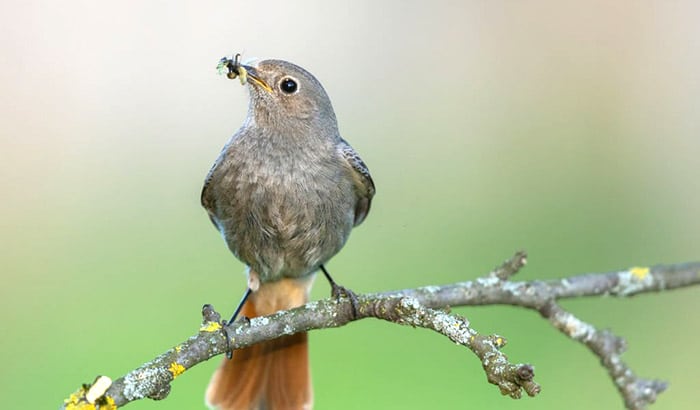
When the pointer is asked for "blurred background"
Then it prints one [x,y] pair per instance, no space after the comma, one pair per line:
[569,129]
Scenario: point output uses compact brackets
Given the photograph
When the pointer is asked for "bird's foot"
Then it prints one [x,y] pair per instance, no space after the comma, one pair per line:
[338,292]
[229,349]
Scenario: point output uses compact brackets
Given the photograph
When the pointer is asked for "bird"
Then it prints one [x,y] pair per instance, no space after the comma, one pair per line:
[284,193]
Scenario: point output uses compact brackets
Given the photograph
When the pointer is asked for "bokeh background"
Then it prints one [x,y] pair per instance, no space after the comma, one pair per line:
[569,129]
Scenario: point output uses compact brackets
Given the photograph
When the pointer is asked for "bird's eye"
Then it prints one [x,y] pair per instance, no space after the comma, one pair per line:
[288,86]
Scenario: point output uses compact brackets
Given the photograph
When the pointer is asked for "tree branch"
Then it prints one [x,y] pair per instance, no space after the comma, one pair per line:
[418,308]
[636,392]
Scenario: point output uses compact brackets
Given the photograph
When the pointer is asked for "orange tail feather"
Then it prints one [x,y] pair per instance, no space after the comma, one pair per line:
[272,375]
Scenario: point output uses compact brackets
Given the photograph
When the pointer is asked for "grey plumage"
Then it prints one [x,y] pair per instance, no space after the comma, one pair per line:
[286,190]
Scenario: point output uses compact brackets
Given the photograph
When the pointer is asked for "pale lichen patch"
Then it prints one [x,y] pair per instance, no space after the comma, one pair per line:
[577,329]
[140,383]
[259,321]
[632,281]
[457,330]
[488,281]
[513,288]
[409,303]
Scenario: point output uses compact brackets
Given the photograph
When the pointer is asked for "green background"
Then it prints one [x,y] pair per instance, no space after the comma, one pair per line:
[569,129]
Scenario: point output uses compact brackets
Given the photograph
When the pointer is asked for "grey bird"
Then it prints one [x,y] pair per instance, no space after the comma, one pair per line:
[284,193]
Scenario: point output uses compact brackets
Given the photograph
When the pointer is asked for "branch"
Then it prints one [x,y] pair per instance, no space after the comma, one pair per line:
[417,307]
[636,392]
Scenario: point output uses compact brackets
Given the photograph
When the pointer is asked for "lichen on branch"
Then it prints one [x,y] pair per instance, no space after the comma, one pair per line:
[422,307]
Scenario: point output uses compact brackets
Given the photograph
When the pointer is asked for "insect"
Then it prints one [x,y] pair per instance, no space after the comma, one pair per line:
[235,69]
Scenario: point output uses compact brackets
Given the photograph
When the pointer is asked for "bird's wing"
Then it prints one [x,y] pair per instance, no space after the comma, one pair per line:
[364,186]
[206,196]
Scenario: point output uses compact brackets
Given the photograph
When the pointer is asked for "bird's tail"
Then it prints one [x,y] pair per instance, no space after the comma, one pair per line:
[272,375]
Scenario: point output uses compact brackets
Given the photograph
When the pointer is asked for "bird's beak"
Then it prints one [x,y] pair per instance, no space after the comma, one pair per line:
[250,74]
[245,73]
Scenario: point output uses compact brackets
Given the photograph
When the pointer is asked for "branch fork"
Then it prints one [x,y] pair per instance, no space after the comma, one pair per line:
[425,307]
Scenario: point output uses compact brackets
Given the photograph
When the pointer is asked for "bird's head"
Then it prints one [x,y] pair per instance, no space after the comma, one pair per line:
[283,93]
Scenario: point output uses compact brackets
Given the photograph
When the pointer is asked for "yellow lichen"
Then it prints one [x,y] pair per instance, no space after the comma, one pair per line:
[210,327]
[83,405]
[176,369]
[107,403]
[77,401]
[639,272]
[178,348]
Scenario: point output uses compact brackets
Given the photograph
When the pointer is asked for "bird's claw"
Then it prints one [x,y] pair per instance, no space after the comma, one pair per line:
[338,292]
[229,350]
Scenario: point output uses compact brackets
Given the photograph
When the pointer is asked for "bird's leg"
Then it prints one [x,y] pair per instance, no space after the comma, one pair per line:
[338,291]
[253,285]
[229,351]
[240,306]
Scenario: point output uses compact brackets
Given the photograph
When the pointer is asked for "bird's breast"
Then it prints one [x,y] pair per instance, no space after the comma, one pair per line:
[282,213]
